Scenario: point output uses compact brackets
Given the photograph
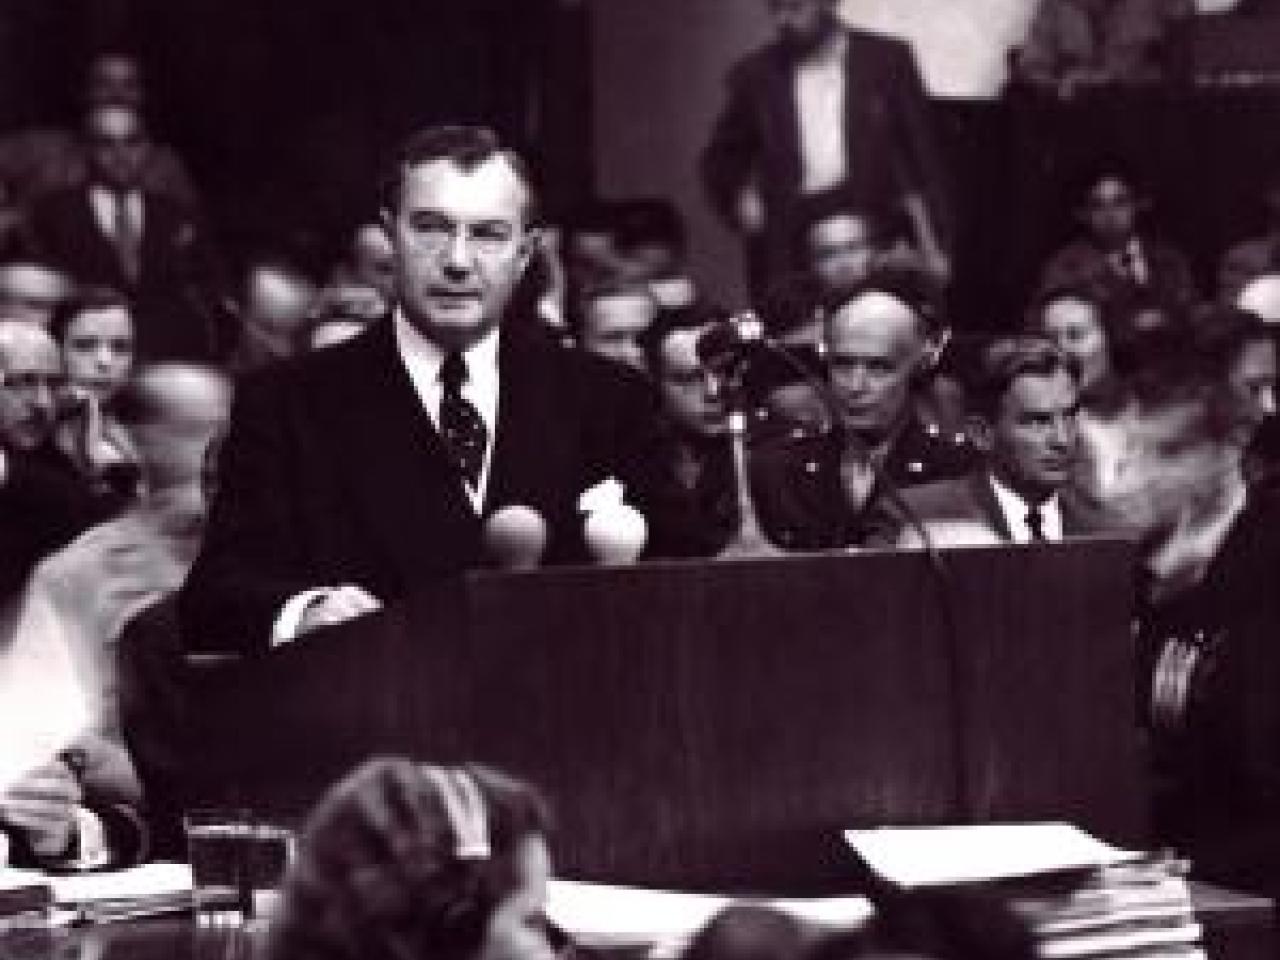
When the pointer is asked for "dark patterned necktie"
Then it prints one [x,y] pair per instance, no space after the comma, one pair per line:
[1035,523]
[460,423]
[127,236]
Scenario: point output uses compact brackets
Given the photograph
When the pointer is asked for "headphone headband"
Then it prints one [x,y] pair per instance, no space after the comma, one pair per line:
[464,806]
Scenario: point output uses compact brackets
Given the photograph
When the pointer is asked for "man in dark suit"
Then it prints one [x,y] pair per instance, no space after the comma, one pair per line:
[1114,256]
[113,232]
[823,106]
[45,501]
[1024,423]
[352,475]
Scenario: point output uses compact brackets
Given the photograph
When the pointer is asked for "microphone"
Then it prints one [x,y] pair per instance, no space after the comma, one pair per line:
[615,534]
[726,340]
[515,537]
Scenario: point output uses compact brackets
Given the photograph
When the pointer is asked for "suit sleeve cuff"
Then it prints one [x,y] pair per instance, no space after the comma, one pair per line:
[285,628]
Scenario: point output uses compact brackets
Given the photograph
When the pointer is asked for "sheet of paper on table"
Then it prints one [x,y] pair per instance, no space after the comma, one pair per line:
[137,883]
[929,856]
[599,914]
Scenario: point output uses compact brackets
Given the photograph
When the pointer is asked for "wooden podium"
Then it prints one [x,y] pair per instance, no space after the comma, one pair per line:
[716,724]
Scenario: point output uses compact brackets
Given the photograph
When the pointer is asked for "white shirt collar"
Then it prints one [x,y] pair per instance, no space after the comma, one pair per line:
[422,359]
[103,203]
[1015,510]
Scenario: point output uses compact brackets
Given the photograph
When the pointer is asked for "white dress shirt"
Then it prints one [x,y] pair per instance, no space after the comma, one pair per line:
[104,203]
[422,361]
[1015,511]
[1130,261]
[820,101]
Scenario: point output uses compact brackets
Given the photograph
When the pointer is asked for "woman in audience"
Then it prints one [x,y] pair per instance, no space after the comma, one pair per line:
[404,861]
[95,333]
[1072,316]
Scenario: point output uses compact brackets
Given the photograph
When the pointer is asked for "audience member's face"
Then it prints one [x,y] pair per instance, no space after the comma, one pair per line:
[874,344]
[1034,439]
[1175,465]
[373,260]
[647,262]
[801,24]
[97,350]
[32,378]
[461,243]
[591,255]
[192,408]
[117,146]
[517,928]
[689,391]
[840,252]
[277,301]
[30,292]
[612,326]
[1111,211]
[1252,383]
[114,78]
[1075,326]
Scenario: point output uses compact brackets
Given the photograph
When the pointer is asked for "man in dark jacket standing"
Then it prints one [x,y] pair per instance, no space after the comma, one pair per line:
[822,107]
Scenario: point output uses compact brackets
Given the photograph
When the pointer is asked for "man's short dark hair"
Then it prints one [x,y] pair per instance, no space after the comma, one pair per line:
[1008,358]
[466,146]
[649,221]
[1184,368]
[84,300]
[1220,334]
[816,208]
[1053,293]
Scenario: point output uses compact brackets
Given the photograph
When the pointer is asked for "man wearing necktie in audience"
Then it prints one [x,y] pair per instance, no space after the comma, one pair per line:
[114,232]
[1025,402]
[1114,255]
[356,474]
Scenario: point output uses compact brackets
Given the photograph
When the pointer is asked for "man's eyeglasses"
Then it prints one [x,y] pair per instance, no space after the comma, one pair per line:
[31,382]
[486,239]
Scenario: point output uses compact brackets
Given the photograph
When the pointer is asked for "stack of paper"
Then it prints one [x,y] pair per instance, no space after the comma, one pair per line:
[149,889]
[605,915]
[23,892]
[1114,902]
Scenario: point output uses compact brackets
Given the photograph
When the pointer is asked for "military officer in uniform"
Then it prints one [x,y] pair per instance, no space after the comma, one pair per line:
[823,488]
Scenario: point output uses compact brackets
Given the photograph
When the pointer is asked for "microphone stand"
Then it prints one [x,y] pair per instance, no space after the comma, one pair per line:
[749,542]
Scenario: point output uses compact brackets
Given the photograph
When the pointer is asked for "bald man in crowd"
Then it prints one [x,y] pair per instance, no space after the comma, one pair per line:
[819,489]
[44,500]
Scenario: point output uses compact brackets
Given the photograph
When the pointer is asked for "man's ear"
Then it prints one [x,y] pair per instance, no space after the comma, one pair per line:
[530,245]
[980,432]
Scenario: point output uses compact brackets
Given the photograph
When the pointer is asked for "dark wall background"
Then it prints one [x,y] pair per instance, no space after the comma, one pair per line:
[286,110]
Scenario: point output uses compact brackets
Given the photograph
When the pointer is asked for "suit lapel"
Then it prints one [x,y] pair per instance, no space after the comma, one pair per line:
[532,459]
[781,120]
[99,250]
[985,498]
[406,486]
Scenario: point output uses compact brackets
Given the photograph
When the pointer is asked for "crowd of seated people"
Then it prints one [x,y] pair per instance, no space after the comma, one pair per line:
[1118,403]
